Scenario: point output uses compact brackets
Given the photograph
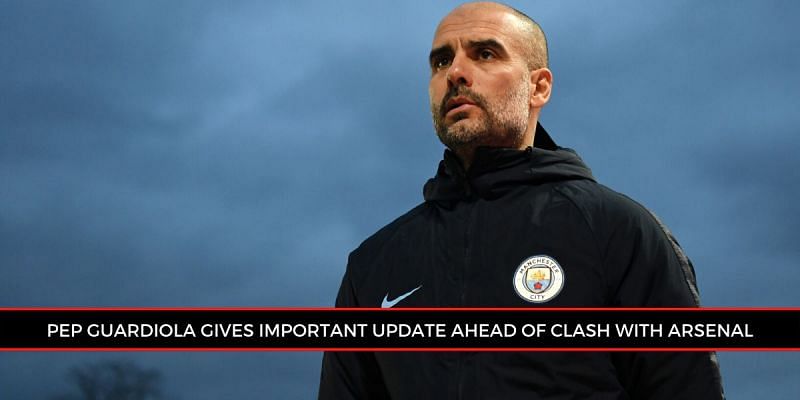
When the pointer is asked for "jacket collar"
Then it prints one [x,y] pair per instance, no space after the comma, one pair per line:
[495,171]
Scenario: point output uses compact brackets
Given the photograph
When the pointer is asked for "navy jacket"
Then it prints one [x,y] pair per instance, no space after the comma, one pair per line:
[474,242]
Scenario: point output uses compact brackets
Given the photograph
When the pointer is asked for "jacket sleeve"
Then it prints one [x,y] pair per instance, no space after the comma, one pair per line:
[350,375]
[647,268]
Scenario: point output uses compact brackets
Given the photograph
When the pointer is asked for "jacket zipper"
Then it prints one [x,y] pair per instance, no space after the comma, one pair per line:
[467,259]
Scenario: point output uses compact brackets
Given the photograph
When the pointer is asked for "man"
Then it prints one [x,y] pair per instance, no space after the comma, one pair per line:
[512,220]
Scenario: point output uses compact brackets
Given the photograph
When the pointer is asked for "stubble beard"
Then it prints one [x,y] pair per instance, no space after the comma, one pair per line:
[500,124]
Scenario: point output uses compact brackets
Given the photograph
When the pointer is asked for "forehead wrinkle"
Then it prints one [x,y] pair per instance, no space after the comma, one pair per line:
[471,34]
[507,28]
[445,28]
[502,19]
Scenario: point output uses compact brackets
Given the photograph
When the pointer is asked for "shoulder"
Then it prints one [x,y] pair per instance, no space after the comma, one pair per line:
[378,239]
[636,247]
[377,243]
[606,209]
[618,222]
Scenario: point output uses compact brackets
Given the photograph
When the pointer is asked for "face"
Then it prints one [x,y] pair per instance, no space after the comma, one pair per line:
[480,84]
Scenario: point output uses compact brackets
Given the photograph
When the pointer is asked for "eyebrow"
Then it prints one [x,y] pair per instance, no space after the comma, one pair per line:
[491,43]
[446,49]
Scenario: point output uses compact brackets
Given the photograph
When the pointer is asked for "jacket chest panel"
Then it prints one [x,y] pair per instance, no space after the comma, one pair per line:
[471,255]
[531,237]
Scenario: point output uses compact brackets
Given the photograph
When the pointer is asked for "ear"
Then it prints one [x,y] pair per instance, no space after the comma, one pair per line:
[541,86]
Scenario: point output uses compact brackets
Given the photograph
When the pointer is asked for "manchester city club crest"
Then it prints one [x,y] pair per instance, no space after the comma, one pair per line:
[538,279]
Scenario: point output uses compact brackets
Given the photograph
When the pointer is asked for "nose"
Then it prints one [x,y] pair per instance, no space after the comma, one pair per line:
[460,72]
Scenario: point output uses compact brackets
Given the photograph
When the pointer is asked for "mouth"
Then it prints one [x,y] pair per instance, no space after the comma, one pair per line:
[458,104]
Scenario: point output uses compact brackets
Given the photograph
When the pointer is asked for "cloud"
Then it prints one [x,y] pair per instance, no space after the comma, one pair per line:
[194,154]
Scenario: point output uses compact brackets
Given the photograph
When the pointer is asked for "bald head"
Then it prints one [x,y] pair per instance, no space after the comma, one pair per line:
[532,41]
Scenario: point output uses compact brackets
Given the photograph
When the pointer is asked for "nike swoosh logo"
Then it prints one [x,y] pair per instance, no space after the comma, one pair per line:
[386,303]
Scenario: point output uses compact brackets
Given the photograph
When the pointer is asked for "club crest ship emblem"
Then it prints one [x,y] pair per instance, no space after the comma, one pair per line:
[538,279]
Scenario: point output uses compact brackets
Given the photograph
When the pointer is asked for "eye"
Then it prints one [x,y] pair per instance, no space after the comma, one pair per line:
[441,62]
[486,54]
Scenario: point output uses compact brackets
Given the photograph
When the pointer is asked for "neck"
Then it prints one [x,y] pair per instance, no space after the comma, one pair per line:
[466,152]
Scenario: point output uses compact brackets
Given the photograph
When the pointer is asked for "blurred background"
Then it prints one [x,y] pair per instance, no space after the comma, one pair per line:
[190,153]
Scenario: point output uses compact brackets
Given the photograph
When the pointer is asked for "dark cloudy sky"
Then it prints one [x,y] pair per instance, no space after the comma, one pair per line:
[189,153]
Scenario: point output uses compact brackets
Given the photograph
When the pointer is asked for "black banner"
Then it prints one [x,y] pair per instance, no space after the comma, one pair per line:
[402,329]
